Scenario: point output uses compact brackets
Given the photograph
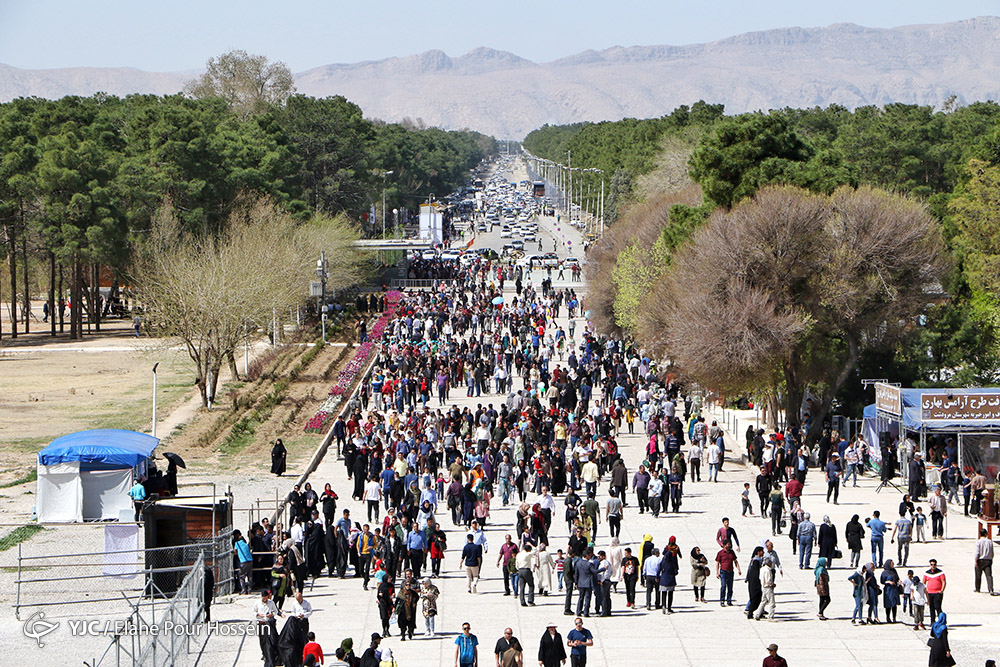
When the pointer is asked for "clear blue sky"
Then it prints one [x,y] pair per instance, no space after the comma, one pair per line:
[178,35]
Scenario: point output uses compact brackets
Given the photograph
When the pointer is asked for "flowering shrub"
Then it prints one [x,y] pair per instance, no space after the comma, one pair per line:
[362,355]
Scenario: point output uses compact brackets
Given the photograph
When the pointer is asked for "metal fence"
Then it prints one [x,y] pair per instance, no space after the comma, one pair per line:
[163,628]
[78,581]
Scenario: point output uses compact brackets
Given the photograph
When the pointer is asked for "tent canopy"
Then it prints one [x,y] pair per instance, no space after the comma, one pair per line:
[100,449]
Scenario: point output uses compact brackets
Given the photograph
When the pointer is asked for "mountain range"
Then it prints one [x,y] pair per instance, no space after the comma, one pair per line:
[502,94]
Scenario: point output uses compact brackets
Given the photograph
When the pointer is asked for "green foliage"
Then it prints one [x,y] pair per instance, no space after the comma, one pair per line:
[18,535]
[684,221]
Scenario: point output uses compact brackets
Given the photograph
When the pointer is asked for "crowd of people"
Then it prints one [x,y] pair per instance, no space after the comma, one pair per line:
[544,439]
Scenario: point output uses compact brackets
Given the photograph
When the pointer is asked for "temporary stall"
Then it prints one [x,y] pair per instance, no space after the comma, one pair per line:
[930,417]
[86,476]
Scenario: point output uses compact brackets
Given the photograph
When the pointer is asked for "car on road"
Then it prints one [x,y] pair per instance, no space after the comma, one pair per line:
[482,227]
[428,255]
[518,244]
[549,259]
[570,262]
[505,234]
[450,255]
[529,237]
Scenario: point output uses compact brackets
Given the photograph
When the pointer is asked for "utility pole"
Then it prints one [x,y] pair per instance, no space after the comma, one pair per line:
[602,204]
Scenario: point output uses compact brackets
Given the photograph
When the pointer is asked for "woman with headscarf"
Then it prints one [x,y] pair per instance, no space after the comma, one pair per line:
[572,508]
[940,650]
[699,573]
[280,581]
[385,596]
[827,540]
[822,581]
[428,605]
[328,499]
[854,532]
[645,549]
[278,457]
[347,646]
[755,592]
[871,583]
[315,548]
[543,577]
[667,574]
[468,501]
[890,590]
[385,658]
[860,592]
[538,524]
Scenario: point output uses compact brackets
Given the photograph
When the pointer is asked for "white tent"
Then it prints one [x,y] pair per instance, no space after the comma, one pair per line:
[86,476]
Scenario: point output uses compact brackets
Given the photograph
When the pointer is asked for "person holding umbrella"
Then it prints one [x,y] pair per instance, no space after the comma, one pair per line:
[174,461]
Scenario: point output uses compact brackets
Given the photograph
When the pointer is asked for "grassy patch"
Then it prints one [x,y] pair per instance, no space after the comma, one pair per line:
[18,535]
[23,479]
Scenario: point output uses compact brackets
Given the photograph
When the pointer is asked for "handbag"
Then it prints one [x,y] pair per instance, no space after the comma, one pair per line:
[782,524]
[837,553]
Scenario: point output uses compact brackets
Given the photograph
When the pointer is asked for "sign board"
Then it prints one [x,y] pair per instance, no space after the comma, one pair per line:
[315,288]
[431,228]
[888,399]
[942,406]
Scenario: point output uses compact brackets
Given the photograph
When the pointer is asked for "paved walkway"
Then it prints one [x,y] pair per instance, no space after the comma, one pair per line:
[698,634]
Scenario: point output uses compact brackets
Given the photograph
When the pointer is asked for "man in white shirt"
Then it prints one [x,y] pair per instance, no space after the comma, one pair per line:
[590,475]
[714,455]
[265,612]
[547,504]
[297,532]
[373,497]
[301,609]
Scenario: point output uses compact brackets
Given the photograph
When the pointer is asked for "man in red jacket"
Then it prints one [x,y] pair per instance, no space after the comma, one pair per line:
[773,659]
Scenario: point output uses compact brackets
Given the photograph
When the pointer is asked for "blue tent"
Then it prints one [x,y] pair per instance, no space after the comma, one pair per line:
[86,476]
[100,449]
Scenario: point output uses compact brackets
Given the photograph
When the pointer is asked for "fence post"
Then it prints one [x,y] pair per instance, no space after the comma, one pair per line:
[17,604]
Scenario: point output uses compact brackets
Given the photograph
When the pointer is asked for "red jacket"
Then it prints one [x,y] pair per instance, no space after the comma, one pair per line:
[313,649]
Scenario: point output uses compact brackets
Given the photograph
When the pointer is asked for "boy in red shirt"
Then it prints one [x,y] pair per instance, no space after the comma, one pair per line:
[313,649]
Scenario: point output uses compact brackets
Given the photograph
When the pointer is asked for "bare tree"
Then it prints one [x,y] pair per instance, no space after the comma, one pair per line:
[789,287]
[207,290]
[249,83]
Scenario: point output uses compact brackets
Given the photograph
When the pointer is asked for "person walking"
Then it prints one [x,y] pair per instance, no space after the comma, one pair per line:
[650,578]
[551,651]
[472,560]
[827,539]
[578,639]
[832,473]
[918,598]
[860,594]
[630,576]
[940,655]
[725,561]
[935,582]
[754,592]
[902,532]
[614,512]
[807,537]
[278,458]
[854,533]
[466,648]
[891,586]
[877,528]
[384,597]
[773,659]
[872,593]
[667,574]
[777,499]
[504,644]
[699,574]
[767,601]
[429,594]
[524,561]
[822,582]
[939,510]
[984,561]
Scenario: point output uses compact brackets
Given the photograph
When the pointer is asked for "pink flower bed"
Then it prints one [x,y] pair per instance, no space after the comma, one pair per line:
[362,355]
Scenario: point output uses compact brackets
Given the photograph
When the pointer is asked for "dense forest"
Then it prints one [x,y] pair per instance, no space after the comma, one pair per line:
[81,178]
[676,172]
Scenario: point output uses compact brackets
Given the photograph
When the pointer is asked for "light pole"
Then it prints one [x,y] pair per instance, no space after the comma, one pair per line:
[321,274]
[385,174]
[154,398]
[395,223]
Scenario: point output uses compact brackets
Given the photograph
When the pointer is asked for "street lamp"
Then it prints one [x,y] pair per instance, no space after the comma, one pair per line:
[385,174]
[154,398]
[395,223]
[321,274]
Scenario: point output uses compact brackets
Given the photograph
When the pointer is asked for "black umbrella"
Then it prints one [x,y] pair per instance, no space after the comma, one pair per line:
[175,459]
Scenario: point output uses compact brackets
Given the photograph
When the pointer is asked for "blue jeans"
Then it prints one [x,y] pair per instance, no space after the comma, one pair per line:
[713,472]
[726,586]
[878,544]
[859,604]
[805,552]
[852,469]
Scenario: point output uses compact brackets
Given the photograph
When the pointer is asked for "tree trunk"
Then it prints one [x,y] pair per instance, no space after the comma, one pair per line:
[12,267]
[62,302]
[76,306]
[52,293]
[231,358]
[816,428]
[27,288]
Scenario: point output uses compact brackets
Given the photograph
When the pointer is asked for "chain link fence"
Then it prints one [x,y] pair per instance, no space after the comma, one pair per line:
[102,582]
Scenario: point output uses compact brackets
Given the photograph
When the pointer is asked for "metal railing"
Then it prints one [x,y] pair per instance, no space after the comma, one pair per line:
[108,577]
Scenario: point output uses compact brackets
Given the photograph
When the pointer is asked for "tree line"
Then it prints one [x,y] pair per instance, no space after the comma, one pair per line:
[810,248]
[82,178]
